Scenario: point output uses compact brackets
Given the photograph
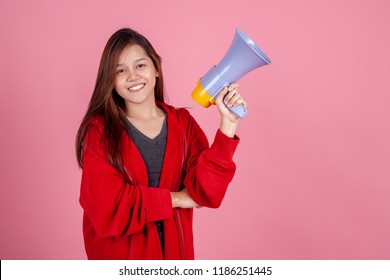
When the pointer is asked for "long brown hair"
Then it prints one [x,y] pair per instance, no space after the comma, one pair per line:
[106,102]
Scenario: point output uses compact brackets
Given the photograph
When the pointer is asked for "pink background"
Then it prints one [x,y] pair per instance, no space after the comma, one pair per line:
[313,177]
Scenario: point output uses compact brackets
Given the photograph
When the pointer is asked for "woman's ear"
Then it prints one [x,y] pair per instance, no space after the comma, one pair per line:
[157,74]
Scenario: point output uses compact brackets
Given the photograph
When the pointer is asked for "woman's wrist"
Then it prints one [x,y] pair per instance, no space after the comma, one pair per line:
[228,127]
[182,199]
[175,196]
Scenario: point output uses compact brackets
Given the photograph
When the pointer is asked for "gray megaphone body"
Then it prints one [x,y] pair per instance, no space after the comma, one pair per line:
[243,56]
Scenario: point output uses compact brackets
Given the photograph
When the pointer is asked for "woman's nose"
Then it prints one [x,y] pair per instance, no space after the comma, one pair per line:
[132,75]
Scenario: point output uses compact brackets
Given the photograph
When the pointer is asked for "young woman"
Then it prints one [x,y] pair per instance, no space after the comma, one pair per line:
[145,164]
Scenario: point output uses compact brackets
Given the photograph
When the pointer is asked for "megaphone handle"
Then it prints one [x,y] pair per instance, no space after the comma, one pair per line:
[239,110]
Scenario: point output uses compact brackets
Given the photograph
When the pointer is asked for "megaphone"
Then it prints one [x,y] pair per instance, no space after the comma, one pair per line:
[243,56]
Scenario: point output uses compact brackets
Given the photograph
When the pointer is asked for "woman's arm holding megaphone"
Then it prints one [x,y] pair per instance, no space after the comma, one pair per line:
[229,97]
[209,169]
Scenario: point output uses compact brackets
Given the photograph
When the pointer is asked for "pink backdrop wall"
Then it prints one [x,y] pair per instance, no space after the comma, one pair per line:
[313,177]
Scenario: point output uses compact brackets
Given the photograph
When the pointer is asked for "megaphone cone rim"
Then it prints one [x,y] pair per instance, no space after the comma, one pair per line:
[253,45]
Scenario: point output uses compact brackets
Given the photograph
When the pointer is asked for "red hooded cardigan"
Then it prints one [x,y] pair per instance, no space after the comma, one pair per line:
[118,220]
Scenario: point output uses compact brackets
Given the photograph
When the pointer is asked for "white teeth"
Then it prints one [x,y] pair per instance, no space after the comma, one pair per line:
[137,87]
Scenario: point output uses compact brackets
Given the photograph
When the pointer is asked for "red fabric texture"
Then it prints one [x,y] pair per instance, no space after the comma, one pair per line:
[118,220]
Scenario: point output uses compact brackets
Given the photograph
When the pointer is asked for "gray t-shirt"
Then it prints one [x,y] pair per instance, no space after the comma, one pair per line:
[152,151]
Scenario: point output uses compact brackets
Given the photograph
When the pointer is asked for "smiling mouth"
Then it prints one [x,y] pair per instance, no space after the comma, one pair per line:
[136,87]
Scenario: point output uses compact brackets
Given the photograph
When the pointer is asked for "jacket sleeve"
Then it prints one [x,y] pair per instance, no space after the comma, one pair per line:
[114,208]
[209,170]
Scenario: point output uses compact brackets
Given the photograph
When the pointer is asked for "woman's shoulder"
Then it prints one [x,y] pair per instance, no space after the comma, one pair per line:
[95,126]
[97,122]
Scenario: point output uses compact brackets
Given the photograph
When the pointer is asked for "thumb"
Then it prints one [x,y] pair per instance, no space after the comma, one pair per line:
[221,95]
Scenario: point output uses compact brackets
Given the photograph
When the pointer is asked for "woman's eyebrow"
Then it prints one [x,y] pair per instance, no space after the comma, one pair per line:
[136,60]
[140,59]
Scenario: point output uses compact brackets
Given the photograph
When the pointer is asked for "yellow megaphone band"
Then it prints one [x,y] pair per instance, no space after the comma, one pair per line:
[201,96]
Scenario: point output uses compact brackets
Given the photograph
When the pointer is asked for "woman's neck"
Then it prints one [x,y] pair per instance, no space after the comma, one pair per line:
[144,111]
[148,119]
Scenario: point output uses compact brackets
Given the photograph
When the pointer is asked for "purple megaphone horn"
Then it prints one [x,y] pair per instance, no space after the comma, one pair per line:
[243,56]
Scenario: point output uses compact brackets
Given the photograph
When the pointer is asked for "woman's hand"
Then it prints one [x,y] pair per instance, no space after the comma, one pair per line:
[182,199]
[229,97]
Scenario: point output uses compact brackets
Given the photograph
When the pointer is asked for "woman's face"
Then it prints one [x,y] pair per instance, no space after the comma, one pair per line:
[135,76]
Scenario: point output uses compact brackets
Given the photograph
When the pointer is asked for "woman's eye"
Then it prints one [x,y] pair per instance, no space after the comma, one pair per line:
[140,66]
[120,71]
